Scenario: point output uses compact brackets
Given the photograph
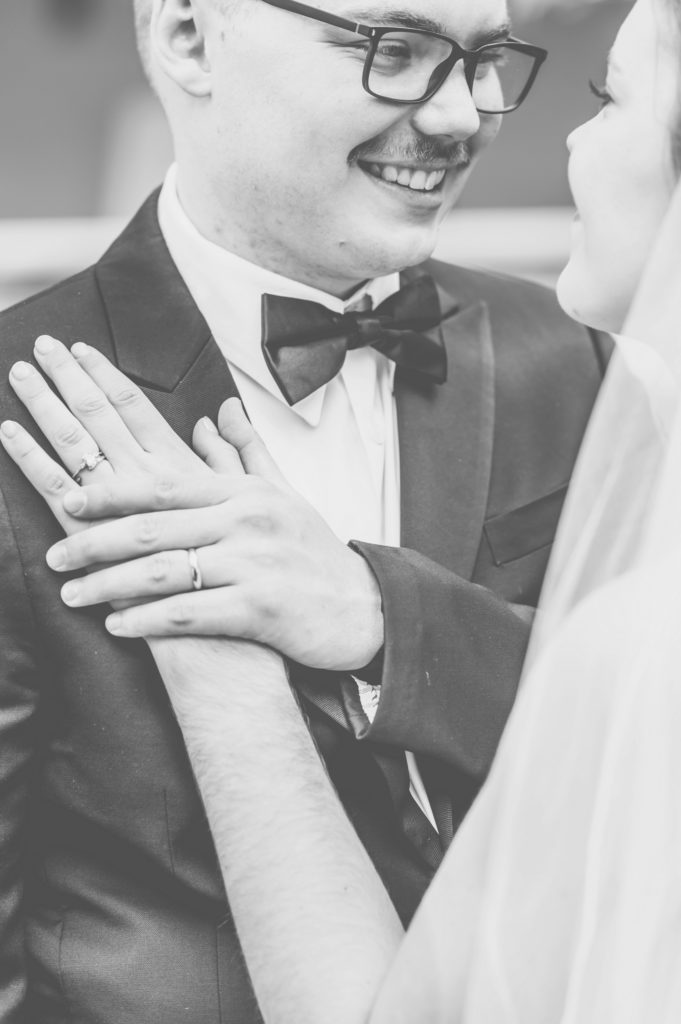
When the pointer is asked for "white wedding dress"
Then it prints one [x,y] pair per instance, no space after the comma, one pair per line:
[560,900]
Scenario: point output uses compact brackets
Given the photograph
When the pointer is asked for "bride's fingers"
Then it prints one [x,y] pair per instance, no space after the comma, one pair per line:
[216,452]
[63,430]
[50,480]
[88,403]
[141,417]
[236,428]
[118,496]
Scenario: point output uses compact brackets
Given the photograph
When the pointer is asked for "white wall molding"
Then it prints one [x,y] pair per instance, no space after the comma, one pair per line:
[527,242]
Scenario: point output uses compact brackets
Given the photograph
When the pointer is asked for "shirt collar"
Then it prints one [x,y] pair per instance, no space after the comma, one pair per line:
[227,290]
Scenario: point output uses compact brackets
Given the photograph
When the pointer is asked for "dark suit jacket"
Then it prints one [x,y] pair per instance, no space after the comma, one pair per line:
[111,906]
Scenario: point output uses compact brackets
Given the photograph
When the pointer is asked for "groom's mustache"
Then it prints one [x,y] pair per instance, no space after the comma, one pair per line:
[418,150]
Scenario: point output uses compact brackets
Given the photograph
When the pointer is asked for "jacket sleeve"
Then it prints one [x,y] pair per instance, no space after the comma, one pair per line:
[18,703]
[452,660]
[454,650]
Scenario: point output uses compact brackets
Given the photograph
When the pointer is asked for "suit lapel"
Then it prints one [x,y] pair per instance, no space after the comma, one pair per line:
[445,435]
[162,342]
[160,338]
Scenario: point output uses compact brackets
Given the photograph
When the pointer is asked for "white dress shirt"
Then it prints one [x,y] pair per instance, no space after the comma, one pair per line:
[338,447]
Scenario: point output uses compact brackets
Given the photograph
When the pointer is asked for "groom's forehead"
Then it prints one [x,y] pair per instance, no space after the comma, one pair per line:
[470,22]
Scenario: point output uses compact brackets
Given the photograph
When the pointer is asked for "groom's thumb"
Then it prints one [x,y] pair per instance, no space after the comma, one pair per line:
[235,427]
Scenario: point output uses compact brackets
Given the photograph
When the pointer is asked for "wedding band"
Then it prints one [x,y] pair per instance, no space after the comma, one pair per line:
[195,569]
[89,462]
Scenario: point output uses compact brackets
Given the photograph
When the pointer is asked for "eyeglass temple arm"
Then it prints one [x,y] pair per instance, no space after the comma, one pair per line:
[314,12]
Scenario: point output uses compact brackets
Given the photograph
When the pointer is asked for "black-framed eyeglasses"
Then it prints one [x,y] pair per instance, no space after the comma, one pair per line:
[408,65]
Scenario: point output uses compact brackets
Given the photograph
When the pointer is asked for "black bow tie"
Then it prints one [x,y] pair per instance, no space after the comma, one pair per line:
[305,344]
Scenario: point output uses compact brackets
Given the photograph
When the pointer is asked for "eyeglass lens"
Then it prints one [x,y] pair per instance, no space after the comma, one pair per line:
[408,65]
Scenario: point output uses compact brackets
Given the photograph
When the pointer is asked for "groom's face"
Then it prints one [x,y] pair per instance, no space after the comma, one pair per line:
[301,155]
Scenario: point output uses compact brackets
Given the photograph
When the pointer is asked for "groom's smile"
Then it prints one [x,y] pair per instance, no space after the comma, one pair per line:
[415,178]
[422,172]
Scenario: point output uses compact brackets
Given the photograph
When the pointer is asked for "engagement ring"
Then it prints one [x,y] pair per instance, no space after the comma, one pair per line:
[89,462]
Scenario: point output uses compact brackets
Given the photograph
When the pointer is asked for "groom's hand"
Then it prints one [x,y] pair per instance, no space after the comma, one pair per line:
[270,570]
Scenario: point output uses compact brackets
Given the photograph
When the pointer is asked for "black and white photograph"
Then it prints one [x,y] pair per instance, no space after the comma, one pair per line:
[340,488]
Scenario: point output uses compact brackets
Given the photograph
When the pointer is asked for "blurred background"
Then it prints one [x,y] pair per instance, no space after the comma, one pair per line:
[82,139]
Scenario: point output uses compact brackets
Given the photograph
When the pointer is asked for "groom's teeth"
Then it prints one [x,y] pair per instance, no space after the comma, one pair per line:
[433,179]
[417,180]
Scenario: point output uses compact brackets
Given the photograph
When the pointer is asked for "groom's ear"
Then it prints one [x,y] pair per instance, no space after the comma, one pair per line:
[177,45]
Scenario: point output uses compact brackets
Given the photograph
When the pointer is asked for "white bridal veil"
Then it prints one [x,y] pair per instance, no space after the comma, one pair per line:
[560,901]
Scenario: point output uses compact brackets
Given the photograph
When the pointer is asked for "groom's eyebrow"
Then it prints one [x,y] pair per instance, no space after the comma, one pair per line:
[407,19]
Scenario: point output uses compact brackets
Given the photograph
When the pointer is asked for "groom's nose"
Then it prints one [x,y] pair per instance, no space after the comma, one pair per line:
[451,112]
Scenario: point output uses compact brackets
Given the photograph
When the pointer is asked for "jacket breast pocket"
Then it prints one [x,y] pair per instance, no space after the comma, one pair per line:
[524,530]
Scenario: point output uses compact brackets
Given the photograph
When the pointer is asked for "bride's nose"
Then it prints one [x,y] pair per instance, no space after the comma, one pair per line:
[575,135]
[571,140]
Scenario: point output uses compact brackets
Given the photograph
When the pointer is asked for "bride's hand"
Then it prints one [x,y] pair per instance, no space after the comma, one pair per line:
[103,411]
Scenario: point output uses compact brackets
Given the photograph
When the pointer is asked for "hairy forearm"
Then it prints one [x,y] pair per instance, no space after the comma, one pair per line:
[316,925]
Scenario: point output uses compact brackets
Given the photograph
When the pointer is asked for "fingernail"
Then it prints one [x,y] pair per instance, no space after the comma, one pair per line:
[9,428]
[209,425]
[74,502]
[79,350]
[70,592]
[56,557]
[44,344]
[21,371]
[113,624]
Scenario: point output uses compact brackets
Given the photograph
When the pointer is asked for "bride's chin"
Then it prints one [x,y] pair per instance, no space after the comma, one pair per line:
[585,301]
[571,296]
